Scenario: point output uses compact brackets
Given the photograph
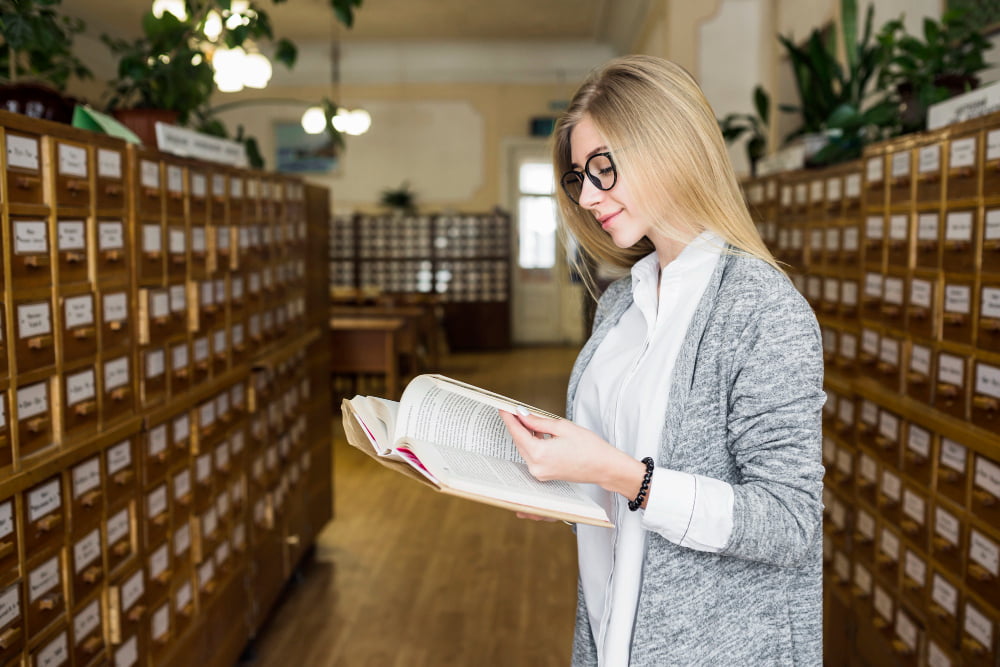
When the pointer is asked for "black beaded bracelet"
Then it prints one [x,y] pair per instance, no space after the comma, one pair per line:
[644,489]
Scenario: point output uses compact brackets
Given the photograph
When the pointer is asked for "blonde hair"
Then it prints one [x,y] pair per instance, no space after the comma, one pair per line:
[666,143]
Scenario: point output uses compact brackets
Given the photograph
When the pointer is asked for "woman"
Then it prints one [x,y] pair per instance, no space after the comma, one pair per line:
[694,410]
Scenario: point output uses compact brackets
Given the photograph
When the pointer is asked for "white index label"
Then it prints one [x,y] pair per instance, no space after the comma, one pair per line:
[978,626]
[32,400]
[42,579]
[988,383]
[88,620]
[71,235]
[72,160]
[10,605]
[984,551]
[22,152]
[44,500]
[31,237]
[79,311]
[115,374]
[874,169]
[109,164]
[86,551]
[963,153]
[951,370]
[944,594]
[86,476]
[929,159]
[34,319]
[149,174]
[958,226]
[953,455]
[110,236]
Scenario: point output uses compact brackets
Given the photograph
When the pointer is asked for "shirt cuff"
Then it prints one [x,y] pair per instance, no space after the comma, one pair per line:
[690,510]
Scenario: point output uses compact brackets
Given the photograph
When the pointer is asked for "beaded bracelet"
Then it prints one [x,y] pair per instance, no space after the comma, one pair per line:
[644,489]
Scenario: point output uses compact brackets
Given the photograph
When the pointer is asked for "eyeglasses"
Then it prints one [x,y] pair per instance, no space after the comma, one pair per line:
[600,169]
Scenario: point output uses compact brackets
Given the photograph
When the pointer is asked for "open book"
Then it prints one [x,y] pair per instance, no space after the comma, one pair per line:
[448,434]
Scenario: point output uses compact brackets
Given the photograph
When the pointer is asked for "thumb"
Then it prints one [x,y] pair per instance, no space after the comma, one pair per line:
[538,423]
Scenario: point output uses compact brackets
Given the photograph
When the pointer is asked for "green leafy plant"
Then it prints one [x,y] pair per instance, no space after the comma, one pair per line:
[834,99]
[924,71]
[735,125]
[36,43]
[399,199]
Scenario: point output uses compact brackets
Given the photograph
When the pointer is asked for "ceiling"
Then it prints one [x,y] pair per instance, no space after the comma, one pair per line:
[305,21]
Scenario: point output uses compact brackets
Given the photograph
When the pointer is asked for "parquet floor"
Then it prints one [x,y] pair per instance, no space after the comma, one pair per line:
[406,577]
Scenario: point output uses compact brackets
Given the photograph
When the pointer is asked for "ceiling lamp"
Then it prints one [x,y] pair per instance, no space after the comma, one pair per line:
[175,7]
[213,26]
[229,69]
[257,70]
[354,122]
[314,120]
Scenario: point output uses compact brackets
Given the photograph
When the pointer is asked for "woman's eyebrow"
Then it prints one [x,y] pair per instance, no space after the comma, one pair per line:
[600,149]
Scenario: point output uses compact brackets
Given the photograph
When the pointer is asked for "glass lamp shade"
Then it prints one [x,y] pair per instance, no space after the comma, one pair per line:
[314,120]
[175,7]
[257,70]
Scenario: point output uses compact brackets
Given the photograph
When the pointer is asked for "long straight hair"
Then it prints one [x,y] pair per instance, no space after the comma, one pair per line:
[666,143]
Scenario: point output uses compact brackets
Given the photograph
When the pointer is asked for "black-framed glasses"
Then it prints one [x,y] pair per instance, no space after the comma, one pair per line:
[601,171]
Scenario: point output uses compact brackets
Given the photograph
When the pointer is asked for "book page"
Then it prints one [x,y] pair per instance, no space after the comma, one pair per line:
[428,411]
[378,417]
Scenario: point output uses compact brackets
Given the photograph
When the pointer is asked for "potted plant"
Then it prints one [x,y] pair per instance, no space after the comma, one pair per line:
[36,59]
[942,64]
[835,101]
[735,125]
[401,200]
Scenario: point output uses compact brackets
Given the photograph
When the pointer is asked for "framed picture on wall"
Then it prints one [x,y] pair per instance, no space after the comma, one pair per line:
[298,152]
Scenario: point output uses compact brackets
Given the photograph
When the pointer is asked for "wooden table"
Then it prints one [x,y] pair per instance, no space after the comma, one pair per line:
[367,345]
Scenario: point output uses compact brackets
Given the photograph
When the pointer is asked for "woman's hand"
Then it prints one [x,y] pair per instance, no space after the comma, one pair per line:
[572,453]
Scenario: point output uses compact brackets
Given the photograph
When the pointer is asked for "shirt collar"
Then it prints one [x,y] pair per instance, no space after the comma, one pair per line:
[703,248]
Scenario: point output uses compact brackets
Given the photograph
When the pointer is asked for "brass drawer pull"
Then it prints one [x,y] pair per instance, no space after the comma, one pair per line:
[987,403]
[979,573]
[90,499]
[92,574]
[75,257]
[36,261]
[84,333]
[40,342]
[27,182]
[93,645]
[84,409]
[9,638]
[46,524]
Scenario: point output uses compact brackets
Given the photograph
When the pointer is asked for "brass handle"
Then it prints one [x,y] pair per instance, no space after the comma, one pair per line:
[6,549]
[972,646]
[115,325]
[93,645]
[948,475]
[861,539]
[914,459]
[181,373]
[927,246]
[991,245]
[92,574]
[46,524]
[161,456]
[209,587]
[113,190]
[85,408]
[890,310]
[160,519]
[941,544]
[119,394]
[49,602]
[917,312]
[954,319]
[36,261]
[990,324]
[909,526]
[947,390]
[910,584]
[151,193]
[184,500]
[75,257]
[979,572]
[987,403]
[858,592]
[880,623]
[984,498]
[122,548]
[83,333]
[163,639]
[124,477]
[152,255]
[883,442]
[938,611]
[900,648]
[164,577]
[27,182]
[9,637]
[112,256]
[40,342]
[187,610]
[961,172]
[882,559]
[90,499]
[136,613]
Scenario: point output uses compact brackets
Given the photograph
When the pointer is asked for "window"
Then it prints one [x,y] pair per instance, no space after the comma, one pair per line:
[536,216]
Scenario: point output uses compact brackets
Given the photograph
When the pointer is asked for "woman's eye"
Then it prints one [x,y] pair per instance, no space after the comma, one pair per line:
[606,171]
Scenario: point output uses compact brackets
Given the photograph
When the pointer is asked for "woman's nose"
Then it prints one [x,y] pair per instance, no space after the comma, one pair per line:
[590,194]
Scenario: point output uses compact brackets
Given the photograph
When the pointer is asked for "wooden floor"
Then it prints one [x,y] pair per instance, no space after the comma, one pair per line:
[407,577]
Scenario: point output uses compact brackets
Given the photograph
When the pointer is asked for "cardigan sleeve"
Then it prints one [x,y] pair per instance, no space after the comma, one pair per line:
[775,434]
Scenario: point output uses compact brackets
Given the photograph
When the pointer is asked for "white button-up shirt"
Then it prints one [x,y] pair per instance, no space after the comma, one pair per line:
[623,396]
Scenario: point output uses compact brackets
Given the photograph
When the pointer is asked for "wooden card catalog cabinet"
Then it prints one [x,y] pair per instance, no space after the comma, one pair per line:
[153,375]
[913,516]
[179,311]
[986,394]
[126,605]
[160,629]
[72,251]
[87,564]
[924,305]
[158,565]
[157,515]
[24,169]
[218,198]
[907,639]
[80,403]
[79,337]
[928,241]
[53,650]
[176,190]
[950,394]
[915,578]
[899,240]
[894,300]
[182,601]
[87,486]
[45,516]
[871,299]
[958,325]
[11,622]
[963,167]
[156,454]
[918,455]
[155,321]
[944,605]
[978,635]
[149,193]
[119,536]
[120,464]
[982,565]
[46,601]
[928,186]
[959,252]
[988,326]
[88,633]
[111,266]
[201,356]
[150,255]
[30,262]
[177,260]
[985,499]
[183,493]
[117,395]
[110,179]
[890,494]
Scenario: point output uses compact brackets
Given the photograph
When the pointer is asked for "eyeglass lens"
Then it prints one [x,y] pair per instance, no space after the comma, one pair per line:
[599,169]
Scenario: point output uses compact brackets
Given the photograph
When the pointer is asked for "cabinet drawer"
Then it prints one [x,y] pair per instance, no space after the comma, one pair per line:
[150,256]
[161,630]
[46,600]
[951,389]
[201,358]
[924,305]
[217,198]
[24,169]
[907,638]
[79,326]
[88,632]
[176,190]
[34,425]
[201,262]
[72,174]
[948,537]
[126,604]
[220,350]
[928,242]
[159,566]
[890,357]
[121,471]
[944,604]
[198,200]
[964,160]
[6,452]
[988,334]
[87,486]
[982,565]
[959,251]
[978,635]
[155,323]
[156,454]
[179,309]
[986,398]
[920,371]
[53,650]
[149,195]
[991,240]
[203,480]
[919,454]
[72,250]
[110,179]
[116,332]
[11,620]
[929,173]
[180,366]
[34,346]
[914,520]
[182,490]
[153,375]
[8,538]
[953,472]
[119,535]
[182,602]
[129,652]
[44,519]
[180,435]
[80,414]
[156,515]
[112,265]
[117,396]
[87,564]
[958,323]
[985,498]
[30,260]
[899,241]
[177,255]
[900,175]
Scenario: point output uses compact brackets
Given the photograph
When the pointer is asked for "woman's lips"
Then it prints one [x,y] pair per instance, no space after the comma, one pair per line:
[606,220]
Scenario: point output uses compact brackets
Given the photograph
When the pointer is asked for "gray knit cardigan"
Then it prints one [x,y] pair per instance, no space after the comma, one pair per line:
[745,407]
